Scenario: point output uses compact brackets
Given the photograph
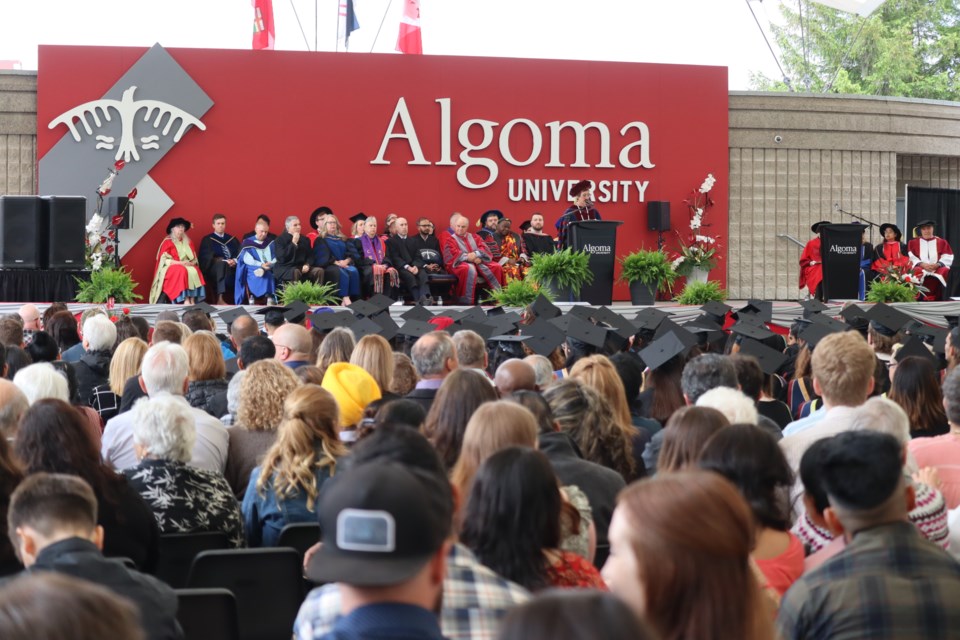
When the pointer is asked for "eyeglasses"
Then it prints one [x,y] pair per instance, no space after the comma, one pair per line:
[427,225]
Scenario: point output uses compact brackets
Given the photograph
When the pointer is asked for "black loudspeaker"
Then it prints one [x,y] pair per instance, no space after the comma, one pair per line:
[21,232]
[120,205]
[658,215]
[66,222]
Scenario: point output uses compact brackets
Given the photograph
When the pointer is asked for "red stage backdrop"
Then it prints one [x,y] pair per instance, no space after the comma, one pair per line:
[417,135]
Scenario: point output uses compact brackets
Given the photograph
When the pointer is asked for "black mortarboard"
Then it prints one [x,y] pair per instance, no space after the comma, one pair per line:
[208,309]
[812,307]
[544,337]
[762,309]
[474,314]
[508,338]
[650,318]
[329,321]
[924,223]
[852,312]
[273,315]
[750,330]
[496,311]
[483,329]
[887,320]
[914,347]
[381,302]
[296,311]
[703,322]
[365,327]
[662,349]
[930,334]
[770,359]
[357,217]
[586,332]
[952,321]
[814,333]
[688,339]
[232,315]
[716,308]
[827,321]
[501,324]
[561,322]
[416,328]
[388,327]
[417,312]
[545,309]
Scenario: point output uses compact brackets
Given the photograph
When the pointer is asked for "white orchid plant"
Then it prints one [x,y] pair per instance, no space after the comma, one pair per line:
[101,231]
[698,250]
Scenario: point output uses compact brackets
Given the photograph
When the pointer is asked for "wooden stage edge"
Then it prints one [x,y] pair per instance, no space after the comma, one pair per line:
[784,313]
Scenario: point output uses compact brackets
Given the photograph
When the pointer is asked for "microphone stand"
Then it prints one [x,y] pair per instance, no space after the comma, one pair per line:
[868,223]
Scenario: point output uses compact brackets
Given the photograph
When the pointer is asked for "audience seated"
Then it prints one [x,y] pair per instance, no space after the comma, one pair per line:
[283,489]
[404,375]
[353,389]
[184,499]
[207,389]
[125,364]
[10,476]
[943,452]
[337,346]
[374,355]
[263,390]
[914,386]
[686,578]
[52,439]
[578,614]
[434,356]
[515,375]
[686,433]
[543,369]
[457,399]
[54,520]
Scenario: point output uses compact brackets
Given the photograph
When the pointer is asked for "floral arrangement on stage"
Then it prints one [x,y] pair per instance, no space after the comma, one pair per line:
[895,284]
[101,240]
[699,249]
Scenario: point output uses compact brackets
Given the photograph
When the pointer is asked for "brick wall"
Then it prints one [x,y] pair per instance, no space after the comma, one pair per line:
[18,127]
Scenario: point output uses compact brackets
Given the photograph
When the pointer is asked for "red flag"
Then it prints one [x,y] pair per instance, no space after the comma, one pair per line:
[263,29]
[409,41]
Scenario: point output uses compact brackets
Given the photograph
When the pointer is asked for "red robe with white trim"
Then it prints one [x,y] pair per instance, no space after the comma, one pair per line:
[811,266]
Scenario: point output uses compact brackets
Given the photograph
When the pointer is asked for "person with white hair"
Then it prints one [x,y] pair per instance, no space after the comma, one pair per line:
[233,398]
[183,499]
[732,403]
[295,260]
[93,367]
[42,380]
[13,404]
[165,372]
[543,368]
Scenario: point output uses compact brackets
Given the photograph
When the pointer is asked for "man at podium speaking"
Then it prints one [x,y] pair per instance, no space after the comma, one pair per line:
[581,209]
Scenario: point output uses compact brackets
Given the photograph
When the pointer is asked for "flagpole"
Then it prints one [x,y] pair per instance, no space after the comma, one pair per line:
[382,20]
[316,27]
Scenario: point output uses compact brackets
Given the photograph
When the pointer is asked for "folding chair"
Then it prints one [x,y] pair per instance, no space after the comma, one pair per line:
[207,614]
[177,551]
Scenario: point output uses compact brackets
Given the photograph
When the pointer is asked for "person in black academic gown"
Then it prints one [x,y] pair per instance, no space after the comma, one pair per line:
[218,258]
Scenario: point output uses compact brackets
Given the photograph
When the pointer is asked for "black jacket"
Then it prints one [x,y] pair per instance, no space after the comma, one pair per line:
[423,397]
[80,558]
[600,484]
[92,370]
[208,395]
[427,251]
[131,393]
[290,257]
[399,252]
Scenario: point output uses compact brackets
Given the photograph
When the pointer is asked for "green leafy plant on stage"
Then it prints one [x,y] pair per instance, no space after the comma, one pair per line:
[311,293]
[564,269]
[702,293]
[890,291]
[648,267]
[107,283]
[518,293]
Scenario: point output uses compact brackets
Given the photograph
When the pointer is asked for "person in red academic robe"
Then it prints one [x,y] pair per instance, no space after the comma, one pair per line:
[891,253]
[931,257]
[811,264]
[466,257]
[177,272]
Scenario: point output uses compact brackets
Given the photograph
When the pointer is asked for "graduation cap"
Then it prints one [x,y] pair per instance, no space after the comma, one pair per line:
[500,325]
[232,315]
[662,349]
[887,320]
[816,332]
[417,312]
[329,321]
[750,330]
[381,302]
[852,313]
[543,308]
[208,309]
[620,325]
[561,322]
[762,309]
[812,307]
[416,328]
[543,336]
[770,359]
[702,323]
[930,335]
[827,321]
[273,315]
[649,319]
[474,314]
[483,329]
[496,311]
[365,327]
[688,339]
[587,332]
[716,308]
[357,217]
[388,327]
[296,311]
[914,347]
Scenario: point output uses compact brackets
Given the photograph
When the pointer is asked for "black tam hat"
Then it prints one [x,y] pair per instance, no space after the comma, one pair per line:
[579,188]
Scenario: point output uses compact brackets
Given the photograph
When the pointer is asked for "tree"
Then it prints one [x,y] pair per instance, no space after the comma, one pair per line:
[908,48]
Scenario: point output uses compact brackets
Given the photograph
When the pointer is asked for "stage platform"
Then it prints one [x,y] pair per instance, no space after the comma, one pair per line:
[784,313]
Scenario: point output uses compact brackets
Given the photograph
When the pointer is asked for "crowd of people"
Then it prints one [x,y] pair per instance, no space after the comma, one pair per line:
[490,474]
[394,259]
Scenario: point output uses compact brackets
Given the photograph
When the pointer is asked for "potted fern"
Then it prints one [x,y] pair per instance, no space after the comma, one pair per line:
[107,283]
[890,291]
[562,273]
[517,293]
[310,293]
[647,272]
[699,293]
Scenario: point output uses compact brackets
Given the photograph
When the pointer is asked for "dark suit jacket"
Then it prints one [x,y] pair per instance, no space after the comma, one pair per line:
[131,393]
[428,250]
[291,257]
[423,397]
[399,253]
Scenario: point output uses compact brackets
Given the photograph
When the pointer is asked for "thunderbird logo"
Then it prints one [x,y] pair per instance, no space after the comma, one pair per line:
[128,109]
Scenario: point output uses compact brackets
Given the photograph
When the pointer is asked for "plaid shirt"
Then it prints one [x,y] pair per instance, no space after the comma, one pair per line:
[888,583]
[475,600]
